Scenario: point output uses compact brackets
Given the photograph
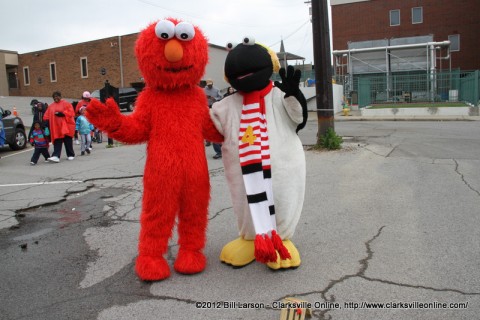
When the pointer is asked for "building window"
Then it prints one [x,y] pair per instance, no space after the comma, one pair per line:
[454,42]
[84,67]
[53,72]
[26,76]
[394,17]
[417,15]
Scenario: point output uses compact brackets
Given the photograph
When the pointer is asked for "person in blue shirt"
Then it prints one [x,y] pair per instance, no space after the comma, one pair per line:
[84,129]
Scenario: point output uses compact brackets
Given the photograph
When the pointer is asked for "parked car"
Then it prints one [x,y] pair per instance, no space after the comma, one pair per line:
[14,128]
[126,98]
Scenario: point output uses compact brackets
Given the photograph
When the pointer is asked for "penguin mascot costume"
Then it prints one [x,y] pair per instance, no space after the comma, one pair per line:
[263,156]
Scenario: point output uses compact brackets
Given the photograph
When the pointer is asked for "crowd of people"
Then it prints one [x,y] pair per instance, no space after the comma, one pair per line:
[64,124]
[59,124]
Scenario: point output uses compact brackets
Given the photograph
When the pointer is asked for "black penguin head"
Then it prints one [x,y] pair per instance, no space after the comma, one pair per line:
[249,66]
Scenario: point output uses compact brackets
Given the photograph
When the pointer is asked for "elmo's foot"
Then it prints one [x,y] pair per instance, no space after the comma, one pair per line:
[190,262]
[293,262]
[238,252]
[152,268]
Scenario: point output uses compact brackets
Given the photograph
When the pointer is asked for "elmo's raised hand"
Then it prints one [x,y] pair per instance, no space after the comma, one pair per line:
[106,117]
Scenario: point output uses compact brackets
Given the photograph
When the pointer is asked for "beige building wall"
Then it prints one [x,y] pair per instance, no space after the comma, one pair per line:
[8,62]
[215,66]
[3,76]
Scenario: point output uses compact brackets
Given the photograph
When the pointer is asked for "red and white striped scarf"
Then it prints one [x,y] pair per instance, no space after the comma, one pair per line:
[254,152]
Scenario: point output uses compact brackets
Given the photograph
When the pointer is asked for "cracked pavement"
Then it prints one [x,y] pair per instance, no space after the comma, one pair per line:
[392,217]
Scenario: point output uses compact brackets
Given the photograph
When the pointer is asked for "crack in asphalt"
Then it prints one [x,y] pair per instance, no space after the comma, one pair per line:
[323,314]
[405,285]
[391,151]
[212,173]
[457,165]
[18,212]
[376,153]
[114,178]
[216,172]
[218,213]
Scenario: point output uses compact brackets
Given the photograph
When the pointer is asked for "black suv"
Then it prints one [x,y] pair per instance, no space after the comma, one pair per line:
[15,135]
[126,98]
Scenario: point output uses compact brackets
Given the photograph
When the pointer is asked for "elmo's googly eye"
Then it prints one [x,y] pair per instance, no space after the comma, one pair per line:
[184,31]
[249,41]
[231,45]
[165,29]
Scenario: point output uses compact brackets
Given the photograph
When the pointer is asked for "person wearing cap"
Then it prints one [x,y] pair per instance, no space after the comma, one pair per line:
[83,103]
[86,96]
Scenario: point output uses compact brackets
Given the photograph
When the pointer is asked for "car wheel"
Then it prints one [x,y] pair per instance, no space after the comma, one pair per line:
[20,141]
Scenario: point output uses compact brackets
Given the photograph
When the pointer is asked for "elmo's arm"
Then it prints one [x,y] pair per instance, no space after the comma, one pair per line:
[128,129]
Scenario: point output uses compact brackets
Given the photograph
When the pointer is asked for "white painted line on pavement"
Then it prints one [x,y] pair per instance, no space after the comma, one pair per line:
[39,183]
[14,154]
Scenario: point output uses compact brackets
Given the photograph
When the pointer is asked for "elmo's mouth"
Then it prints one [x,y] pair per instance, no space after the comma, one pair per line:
[179,69]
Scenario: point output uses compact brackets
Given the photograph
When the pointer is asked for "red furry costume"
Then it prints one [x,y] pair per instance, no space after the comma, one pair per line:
[172,116]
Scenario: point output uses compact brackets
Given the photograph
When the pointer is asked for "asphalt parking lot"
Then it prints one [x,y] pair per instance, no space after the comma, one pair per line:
[389,230]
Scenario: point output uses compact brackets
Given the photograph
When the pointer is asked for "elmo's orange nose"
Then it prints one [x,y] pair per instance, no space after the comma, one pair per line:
[173,51]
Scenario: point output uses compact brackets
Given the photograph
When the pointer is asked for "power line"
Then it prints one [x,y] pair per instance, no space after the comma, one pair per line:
[291,34]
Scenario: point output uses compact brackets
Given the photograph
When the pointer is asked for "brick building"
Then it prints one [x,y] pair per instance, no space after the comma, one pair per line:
[404,51]
[84,66]
[370,20]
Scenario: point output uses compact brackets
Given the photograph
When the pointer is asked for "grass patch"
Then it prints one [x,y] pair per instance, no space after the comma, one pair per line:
[330,141]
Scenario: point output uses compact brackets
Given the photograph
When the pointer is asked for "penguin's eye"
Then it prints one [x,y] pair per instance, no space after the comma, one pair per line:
[231,45]
[165,29]
[249,41]
[184,31]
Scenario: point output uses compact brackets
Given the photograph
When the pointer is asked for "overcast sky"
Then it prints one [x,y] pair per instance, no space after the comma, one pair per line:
[31,25]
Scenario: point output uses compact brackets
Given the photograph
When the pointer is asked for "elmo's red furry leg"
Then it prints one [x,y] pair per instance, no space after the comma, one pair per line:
[192,223]
[157,220]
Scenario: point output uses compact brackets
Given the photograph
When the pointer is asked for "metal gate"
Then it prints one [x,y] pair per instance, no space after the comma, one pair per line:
[469,87]
[456,86]
[364,92]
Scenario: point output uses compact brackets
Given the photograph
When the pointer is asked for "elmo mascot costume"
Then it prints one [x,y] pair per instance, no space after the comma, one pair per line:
[172,116]
[263,156]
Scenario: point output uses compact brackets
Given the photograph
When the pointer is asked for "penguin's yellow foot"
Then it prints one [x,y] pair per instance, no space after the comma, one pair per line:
[238,252]
[293,262]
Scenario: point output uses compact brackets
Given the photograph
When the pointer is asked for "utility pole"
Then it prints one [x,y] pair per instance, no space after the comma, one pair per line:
[323,66]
